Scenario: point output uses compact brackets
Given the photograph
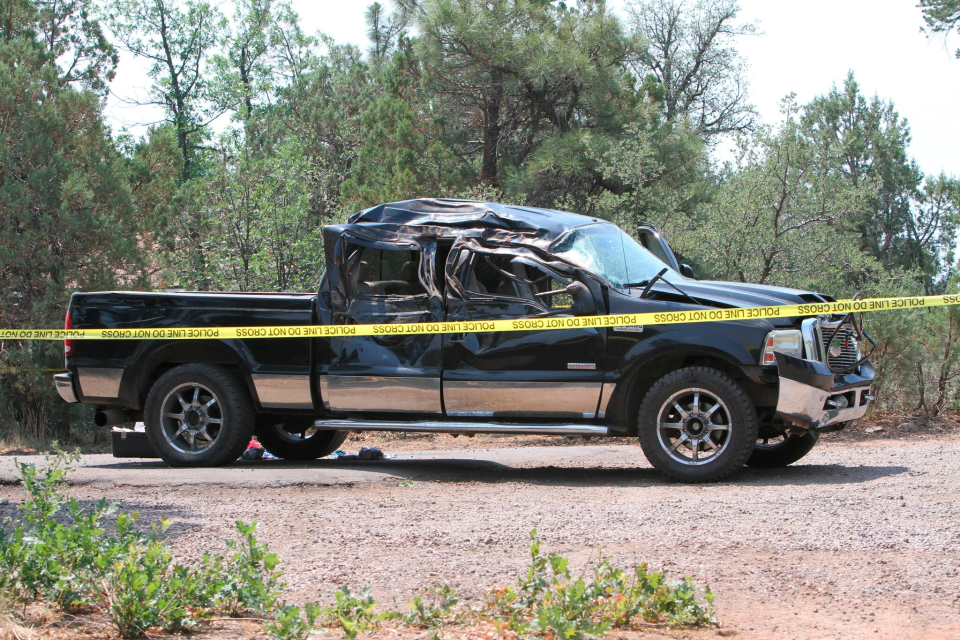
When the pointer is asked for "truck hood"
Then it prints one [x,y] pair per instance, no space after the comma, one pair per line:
[734,294]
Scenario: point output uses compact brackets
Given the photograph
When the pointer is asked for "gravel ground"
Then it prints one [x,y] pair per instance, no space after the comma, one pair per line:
[859,540]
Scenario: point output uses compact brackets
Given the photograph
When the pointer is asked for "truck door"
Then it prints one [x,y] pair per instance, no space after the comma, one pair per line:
[385,282]
[555,374]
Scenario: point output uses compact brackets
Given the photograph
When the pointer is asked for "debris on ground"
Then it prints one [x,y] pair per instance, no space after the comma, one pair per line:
[873,429]
[252,453]
[371,453]
[366,453]
[256,452]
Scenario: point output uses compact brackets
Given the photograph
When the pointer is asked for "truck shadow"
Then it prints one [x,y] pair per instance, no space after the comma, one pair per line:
[275,473]
[461,471]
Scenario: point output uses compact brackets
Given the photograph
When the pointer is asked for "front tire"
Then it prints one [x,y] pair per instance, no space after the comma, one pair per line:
[771,453]
[697,425]
[308,444]
[199,415]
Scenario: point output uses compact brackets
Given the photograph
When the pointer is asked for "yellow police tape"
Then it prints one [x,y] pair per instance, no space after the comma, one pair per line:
[519,324]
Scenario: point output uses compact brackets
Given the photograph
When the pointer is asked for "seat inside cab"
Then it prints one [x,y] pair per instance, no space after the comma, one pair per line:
[383,272]
[489,275]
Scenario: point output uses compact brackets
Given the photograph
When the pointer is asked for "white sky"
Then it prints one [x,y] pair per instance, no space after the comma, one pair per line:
[805,48]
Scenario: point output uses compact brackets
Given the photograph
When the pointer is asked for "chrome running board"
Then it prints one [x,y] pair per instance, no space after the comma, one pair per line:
[463,427]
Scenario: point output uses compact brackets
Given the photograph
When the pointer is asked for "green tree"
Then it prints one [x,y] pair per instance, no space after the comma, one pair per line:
[383,31]
[656,172]
[178,39]
[66,213]
[782,217]
[403,152]
[323,108]
[908,222]
[243,71]
[256,222]
[154,167]
[941,16]
[691,67]
[527,68]
[294,50]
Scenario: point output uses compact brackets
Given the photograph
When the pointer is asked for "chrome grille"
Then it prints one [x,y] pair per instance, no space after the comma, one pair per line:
[850,351]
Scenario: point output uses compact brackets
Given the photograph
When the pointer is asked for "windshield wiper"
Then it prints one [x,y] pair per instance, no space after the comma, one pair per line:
[648,284]
[653,281]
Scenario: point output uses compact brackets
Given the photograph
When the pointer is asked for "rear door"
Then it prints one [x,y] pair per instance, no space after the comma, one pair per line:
[385,282]
[555,374]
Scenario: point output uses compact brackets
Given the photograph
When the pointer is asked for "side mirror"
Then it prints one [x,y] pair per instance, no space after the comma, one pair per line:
[582,298]
[687,271]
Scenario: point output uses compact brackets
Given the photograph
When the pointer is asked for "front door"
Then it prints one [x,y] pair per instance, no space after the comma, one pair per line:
[556,374]
[385,283]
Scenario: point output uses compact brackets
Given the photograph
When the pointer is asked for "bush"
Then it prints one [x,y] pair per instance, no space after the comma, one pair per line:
[61,553]
[551,602]
[290,624]
[252,576]
[354,613]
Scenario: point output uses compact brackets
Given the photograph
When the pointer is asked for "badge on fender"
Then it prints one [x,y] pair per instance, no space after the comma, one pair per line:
[635,328]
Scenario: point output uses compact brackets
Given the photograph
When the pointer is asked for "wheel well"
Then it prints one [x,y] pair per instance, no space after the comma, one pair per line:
[173,355]
[644,375]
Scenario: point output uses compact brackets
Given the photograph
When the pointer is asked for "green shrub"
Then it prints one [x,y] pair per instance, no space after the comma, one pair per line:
[289,623]
[60,552]
[551,602]
[432,614]
[354,613]
[251,574]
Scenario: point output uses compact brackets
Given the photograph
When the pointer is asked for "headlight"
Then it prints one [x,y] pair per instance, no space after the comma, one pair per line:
[788,341]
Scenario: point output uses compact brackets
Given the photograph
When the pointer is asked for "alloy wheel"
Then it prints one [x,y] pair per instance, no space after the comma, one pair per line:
[191,418]
[694,426]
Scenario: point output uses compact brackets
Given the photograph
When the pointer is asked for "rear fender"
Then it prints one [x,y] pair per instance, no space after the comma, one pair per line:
[157,357]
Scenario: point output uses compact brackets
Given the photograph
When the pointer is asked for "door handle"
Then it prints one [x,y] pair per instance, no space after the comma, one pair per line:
[458,337]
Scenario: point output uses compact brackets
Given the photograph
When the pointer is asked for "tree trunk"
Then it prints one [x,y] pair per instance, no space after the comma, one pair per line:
[491,128]
[946,367]
[922,404]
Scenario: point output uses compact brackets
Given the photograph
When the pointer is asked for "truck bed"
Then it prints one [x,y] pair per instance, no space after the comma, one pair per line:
[136,358]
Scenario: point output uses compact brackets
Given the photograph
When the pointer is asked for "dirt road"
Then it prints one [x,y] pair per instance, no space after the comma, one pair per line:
[862,540]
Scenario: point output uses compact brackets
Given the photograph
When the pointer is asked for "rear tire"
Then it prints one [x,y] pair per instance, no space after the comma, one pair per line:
[199,415]
[786,451]
[308,445]
[697,425]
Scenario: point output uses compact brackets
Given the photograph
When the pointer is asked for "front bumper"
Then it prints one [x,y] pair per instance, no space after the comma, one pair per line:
[812,397]
[64,384]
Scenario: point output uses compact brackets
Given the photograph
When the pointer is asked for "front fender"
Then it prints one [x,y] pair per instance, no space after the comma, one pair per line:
[657,350]
[738,343]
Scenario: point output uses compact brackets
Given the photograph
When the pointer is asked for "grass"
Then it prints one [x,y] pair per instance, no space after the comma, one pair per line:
[101,562]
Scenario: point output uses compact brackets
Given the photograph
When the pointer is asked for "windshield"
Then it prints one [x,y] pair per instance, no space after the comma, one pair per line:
[610,253]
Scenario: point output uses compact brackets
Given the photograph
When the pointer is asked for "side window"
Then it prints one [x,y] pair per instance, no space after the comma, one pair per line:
[503,276]
[384,272]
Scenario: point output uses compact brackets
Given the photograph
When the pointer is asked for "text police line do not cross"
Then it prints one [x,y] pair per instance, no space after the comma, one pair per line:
[534,323]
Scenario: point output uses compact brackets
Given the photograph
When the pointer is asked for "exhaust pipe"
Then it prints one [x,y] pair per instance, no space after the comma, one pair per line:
[110,418]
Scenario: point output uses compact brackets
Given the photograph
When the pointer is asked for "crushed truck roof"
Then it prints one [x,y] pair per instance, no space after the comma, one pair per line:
[543,224]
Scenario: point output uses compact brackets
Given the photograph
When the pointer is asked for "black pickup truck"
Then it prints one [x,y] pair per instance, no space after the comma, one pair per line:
[704,399]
